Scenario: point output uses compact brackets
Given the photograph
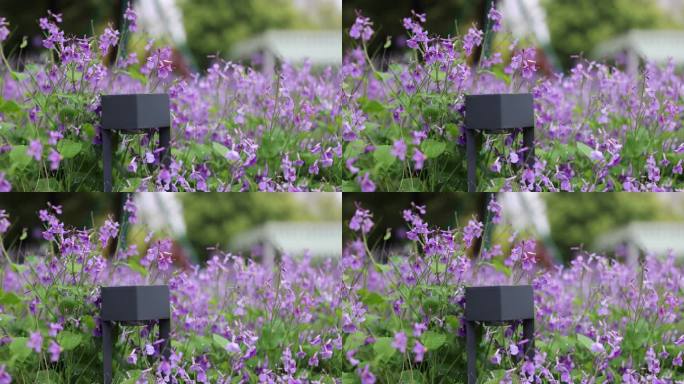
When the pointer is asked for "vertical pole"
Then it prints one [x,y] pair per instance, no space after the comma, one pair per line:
[165,333]
[107,347]
[165,142]
[471,160]
[528,142]
[471,352]
[107,159]
[528,334]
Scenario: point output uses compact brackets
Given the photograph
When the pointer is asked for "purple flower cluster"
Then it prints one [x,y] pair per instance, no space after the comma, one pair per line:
[597,320]
[591,123]
[228,122]
[233,306]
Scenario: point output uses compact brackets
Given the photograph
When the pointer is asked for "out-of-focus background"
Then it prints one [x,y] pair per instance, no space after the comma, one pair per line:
[626,32]
[627,226]
[262,226]
[261,32]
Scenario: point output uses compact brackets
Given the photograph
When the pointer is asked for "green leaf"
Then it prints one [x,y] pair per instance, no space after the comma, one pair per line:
[69,340]
[354,341]
[135,265]
[411,184]
[371,298]
[350,378]
[9,298]
[383,348]
[432,148]
[18,348]
[371,106]
[89,130]
[219,149]
[585,341]
[584,149]
[220,341]
[9,106]
[69,148]
[432,340]
[383,156]
[19,157]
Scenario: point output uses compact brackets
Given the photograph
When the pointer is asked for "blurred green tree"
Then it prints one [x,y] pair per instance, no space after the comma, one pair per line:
[215,26]
[213,219]
[578,26]
[577,219]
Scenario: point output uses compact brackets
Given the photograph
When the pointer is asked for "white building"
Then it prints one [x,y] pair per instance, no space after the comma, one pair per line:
[320,239]
[321,48]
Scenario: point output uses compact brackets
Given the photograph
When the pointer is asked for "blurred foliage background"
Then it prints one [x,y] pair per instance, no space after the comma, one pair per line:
[212,26]
[211,219]
[576,219]
[576,26]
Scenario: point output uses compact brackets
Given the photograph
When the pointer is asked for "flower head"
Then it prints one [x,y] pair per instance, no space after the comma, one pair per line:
[362,29]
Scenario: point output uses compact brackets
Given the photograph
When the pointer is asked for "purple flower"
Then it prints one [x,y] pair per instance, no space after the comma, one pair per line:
[419,350]
[4,221]
[4,31]
[159,60]
[131,17]
[496,166]
[149,349]
[54,158]
[418,159]
[513,349]
[131,209]
[597,156]
[513,158]
[109,230]
[108,39]
[399,149]
[496,358]
[35,149]
[652,169]
[472,231]
[471,40]
[366,375]
[54,349]
[494,208]
[133,357]
[361,221]
[289,364]
[362,29]
[149,157]
[35,341]
[5,377]
[350,357]
[495,17]
[597,348]
[367,184]
[399,341]
[133,165]
[5,185]
[54,330]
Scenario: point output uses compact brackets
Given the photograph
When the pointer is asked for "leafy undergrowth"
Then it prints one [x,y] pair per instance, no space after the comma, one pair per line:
[233,128]
[597,128]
